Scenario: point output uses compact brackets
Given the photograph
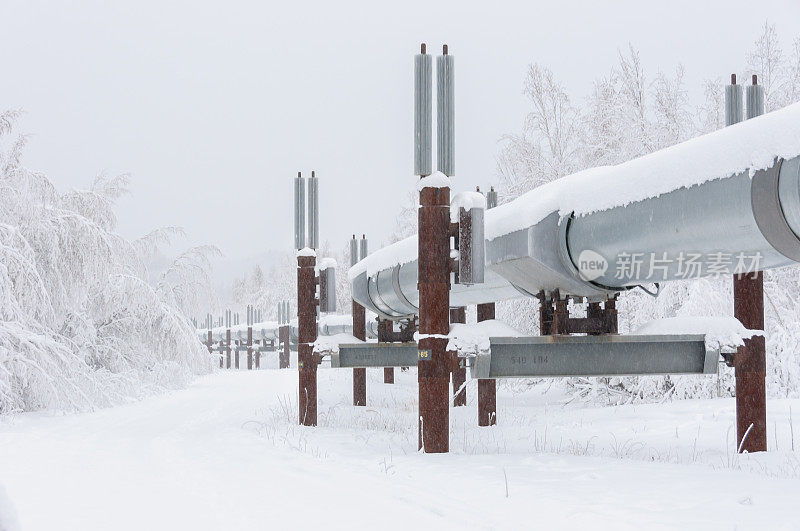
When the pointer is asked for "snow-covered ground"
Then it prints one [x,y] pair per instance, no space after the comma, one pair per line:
[226,453]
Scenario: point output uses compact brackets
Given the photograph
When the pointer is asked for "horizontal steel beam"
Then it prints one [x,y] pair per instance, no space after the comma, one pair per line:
[360,355]
[606,355]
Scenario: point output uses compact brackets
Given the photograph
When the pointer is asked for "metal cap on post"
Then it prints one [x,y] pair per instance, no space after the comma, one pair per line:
[445,113]
[423,127]
[733,102]
[299,212]
[363,250]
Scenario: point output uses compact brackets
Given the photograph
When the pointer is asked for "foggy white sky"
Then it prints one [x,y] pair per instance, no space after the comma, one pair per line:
[214,107]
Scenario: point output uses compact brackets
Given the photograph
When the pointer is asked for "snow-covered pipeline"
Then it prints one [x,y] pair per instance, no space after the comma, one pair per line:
[329,325]
[733,193]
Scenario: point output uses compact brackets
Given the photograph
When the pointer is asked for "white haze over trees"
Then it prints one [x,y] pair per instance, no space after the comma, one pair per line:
[82,326]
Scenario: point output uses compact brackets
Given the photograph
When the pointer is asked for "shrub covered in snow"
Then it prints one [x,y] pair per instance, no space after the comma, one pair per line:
[80,325]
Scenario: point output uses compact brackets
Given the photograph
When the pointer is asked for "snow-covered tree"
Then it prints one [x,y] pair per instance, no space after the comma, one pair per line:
[80,324]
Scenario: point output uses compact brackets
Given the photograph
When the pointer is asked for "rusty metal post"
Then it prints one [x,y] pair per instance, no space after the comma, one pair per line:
[358,251]
[228,348]
[546,314]
[434,322]
[434,267]
[386,335]
[307,334]
[359,375]
[459,374]
[750,363]
[561,315]
[487,389]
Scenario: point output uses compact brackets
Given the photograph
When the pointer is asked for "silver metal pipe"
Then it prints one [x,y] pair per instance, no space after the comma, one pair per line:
[710,225]
[755,100]
[299,212]
[423,86]
[491,198]
[735,224]
[733,102]
[313,212]
[353,251]
[445,114]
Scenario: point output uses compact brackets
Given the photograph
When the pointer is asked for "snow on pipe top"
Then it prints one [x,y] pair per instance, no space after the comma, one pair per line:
[733,192]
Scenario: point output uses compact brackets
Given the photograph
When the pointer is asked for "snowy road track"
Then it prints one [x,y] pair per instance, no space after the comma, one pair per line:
[225,454]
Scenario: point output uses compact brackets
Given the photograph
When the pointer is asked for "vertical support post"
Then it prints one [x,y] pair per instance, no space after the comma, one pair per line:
[487,388]
[236,354]
[750,363]
[250,360]
[359,328]
[385,335]
[434,323]
[307,334]
[228,348]
[546,314]
[359,374]
[434,281]
[561,315]
[459,374]
[249,338]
